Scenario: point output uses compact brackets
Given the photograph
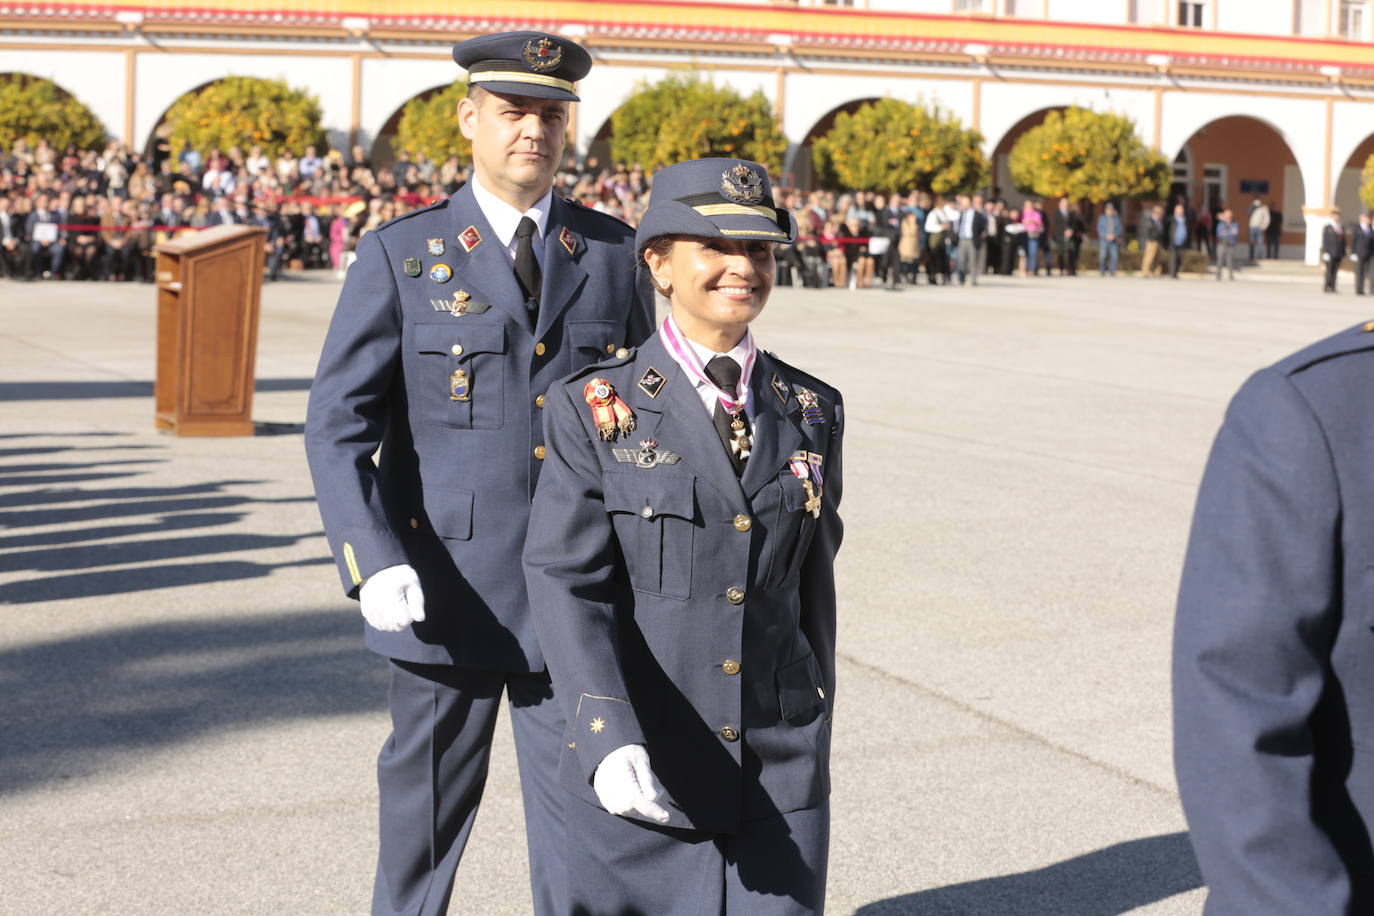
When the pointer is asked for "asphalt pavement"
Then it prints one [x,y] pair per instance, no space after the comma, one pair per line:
[188,723]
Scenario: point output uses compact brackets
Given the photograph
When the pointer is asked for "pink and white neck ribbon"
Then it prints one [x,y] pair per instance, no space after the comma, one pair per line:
[683,354]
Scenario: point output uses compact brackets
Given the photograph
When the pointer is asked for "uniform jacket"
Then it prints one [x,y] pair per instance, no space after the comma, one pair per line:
[450,493]
[1274,642]
[1362,242]
[683,607]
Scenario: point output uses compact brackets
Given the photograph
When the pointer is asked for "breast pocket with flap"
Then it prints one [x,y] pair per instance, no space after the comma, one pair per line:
[655,517]
[462,374]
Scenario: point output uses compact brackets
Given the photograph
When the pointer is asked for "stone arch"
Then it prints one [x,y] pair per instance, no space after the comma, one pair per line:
[381,152]
[1348,180]
[999,157]
[157,126]
[62,91]
[797,169]
[1232,160]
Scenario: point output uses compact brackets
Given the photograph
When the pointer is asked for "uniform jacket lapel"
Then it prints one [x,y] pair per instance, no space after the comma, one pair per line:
[484,270]
[682,424]
[776,431]
[563,276]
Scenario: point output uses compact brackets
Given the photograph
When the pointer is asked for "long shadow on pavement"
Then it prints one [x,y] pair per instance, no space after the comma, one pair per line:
[73,707]
[1100,883]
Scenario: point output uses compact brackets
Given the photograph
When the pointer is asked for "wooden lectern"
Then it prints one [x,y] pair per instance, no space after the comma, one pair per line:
[208,287]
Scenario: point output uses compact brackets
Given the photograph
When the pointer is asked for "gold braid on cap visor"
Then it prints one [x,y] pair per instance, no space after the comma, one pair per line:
[516,76]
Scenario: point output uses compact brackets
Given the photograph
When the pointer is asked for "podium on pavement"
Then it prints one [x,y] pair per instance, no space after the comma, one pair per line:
[208,290]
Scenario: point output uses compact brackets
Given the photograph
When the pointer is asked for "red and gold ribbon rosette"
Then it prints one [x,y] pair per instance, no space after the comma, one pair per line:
[610,414]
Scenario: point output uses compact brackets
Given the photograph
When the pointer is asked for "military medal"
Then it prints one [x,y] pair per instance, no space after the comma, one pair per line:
[647,456]
[459,386]
[441,273]
[412,267]
[807,466]
[741,445]
[469,238]
[460,303]
[611,415]
[435,247]
[810,405]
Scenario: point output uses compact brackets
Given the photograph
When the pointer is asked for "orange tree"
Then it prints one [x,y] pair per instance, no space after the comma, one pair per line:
[247,111]
[893,146]
[429,125]
[1367,184]
[1088,155]
[34,108]
[685,117]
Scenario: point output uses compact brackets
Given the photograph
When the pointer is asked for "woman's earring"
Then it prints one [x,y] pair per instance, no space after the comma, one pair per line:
[664,289]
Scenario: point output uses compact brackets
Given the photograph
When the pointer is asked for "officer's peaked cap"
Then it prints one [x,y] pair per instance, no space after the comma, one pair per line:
[536,64]
[714,198]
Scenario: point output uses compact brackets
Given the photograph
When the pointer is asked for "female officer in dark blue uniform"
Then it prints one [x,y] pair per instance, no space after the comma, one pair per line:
[680,568]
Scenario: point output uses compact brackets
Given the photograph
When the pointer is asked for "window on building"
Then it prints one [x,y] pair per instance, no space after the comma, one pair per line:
[1352,19]
[968,6]
[1190,14]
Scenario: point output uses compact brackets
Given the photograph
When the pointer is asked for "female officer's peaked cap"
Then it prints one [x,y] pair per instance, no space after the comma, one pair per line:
[714,198]
[534,64]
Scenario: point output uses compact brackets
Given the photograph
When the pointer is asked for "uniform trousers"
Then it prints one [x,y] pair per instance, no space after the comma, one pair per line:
[433,768]
[1362,275]
[774,866]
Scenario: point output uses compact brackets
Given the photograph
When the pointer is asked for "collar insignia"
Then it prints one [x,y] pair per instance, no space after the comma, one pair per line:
[568,239]
[780,389]
[651,382]
[469,238]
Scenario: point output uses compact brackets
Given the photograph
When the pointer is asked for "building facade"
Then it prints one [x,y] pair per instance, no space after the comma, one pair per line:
[1251,99]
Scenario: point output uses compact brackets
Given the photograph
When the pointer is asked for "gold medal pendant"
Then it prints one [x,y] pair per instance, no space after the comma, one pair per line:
[813,500]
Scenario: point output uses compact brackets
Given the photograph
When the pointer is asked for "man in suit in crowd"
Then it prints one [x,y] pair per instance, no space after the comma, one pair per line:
[1334,246]
[452,323]
[1273,701]
[222,214]
[1176,235]
[1260,218]
[1066,233]
[1151,239]
[1362,246]
[887,223]
[971,229]
[1274,233]
[48,248]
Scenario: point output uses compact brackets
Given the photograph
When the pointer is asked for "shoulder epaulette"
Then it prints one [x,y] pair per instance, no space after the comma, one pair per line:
[821,387]
[437,205]
[621,357]
[1358,339]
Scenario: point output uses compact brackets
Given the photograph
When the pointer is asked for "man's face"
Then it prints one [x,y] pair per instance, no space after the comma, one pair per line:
[517,141]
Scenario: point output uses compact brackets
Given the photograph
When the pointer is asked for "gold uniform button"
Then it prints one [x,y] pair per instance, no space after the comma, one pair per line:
[647,512]
[621,353]
[539,401]
[540,452]
[457,349]
[734,595]
[743,523]
[610,348]
[730,667]
[540,349]
[729,734]
[415,523]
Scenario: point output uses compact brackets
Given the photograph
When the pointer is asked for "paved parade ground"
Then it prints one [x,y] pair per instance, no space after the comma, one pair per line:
[189,725]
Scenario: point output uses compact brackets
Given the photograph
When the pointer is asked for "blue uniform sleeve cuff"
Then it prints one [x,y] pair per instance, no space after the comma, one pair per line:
[599,726]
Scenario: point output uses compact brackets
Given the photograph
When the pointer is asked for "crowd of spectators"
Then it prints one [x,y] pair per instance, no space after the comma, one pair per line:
[96,215]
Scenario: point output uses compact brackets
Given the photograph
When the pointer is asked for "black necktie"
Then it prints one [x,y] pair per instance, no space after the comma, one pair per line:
[526,267]
[724,373]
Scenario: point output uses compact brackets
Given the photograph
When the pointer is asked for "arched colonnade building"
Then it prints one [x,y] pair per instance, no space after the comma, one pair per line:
[1268,98]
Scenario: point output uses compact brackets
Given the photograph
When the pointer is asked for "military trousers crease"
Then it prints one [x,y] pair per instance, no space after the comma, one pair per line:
[773,866]
[431,773]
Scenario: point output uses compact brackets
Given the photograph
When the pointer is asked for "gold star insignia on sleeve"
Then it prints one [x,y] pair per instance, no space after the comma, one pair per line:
[597,725]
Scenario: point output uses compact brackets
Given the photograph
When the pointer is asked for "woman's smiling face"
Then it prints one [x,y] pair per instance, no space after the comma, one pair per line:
[717,285]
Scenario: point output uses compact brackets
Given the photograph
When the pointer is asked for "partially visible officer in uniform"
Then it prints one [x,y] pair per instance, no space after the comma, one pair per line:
[1273,693]
[681,572]
[452,324]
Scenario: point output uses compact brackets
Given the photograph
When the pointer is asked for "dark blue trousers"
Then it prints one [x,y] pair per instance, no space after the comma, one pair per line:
[433,768]
[775,866]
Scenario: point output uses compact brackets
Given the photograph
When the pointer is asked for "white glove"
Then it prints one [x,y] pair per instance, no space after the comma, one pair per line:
[624,783]
[391,598]
[1325,256]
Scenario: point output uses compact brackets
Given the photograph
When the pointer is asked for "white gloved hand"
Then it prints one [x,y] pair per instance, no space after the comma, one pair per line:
[625,783]
[1325,256]
[391,598]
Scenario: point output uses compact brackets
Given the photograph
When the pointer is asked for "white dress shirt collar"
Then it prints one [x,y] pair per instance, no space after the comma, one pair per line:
[503,218]
[706,354]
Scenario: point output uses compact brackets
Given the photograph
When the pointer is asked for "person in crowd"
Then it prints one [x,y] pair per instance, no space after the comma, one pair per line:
[1274,233]
[1109,234]
[83,242]
[47,241]
[1362,251]
[119,255]
[937,260]
[1034,222]
[695,760]
[1259,221]
[1066,229]
[856,256]
[909,245]
[1204,231]
[1152,239]
[14,255]
[1176,232]
[971,229]
[1334,248]
[1228,234]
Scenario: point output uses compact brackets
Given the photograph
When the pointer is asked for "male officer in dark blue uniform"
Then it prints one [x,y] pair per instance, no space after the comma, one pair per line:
[1273,649]
[453,322]
[681,570]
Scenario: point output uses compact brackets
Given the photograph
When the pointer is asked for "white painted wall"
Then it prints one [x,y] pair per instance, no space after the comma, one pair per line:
[1256,17]
[1107,12]
[161,78]
[95,78]
[388,83]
